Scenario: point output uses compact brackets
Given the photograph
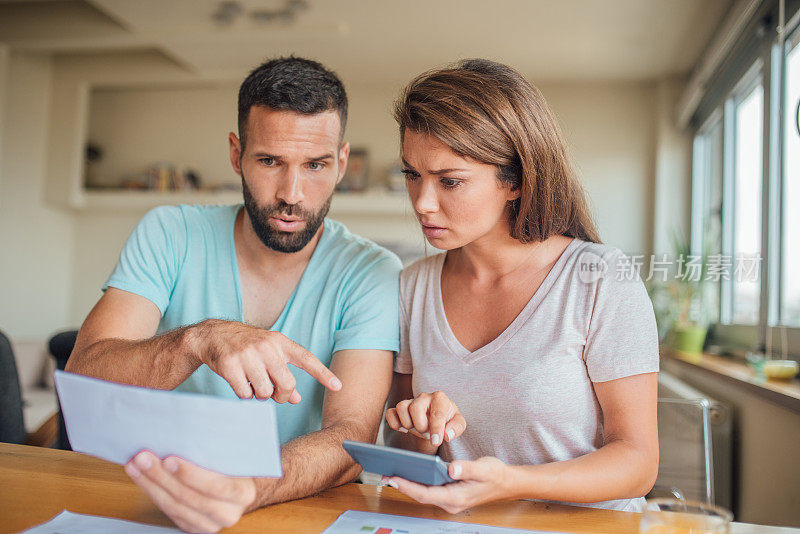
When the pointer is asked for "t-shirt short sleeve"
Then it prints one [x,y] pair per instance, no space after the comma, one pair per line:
[151,258]
[622,339]
[403,363]
[370,312]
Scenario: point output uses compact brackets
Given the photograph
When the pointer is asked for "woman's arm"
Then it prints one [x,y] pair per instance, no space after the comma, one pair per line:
[624,467]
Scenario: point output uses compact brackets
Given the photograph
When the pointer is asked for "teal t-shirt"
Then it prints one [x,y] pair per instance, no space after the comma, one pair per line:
[183,259]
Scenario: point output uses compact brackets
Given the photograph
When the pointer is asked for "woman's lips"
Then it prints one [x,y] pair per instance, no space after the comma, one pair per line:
[432,231]
[285,225]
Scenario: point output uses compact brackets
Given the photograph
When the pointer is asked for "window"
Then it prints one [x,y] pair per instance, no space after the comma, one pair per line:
[746,188]
[790,246]
[747,178]
[707,198]
[727,189]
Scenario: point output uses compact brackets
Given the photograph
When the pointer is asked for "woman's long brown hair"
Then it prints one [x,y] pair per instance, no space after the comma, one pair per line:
[489,112]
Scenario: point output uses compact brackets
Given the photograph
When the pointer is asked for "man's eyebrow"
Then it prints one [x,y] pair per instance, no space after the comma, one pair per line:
[323,157]
[329,155]
[438,171]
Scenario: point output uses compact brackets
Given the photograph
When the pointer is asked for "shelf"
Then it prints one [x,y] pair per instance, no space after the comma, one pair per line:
[116,201]
[783,392]
[368,203]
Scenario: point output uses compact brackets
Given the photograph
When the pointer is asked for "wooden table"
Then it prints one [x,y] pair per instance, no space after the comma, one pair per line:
[37,483]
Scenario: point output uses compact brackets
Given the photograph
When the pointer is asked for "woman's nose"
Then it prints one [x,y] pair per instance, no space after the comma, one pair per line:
[423,196]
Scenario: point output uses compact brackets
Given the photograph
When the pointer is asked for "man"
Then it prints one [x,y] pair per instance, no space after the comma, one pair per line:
[219,299]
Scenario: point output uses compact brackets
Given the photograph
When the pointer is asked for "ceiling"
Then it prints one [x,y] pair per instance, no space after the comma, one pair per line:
[549,40]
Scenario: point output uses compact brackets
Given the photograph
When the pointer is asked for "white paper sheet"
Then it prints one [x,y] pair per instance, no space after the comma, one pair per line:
[370,523]
[69,523]
[114,422]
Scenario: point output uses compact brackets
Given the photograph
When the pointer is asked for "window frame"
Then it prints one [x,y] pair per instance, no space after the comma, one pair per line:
[753,78]
[773,327]
[767,64]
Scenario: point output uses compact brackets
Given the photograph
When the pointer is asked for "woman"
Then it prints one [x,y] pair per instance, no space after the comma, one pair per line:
[528,351]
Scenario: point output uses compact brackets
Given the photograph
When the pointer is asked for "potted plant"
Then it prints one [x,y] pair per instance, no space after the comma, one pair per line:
[690,296]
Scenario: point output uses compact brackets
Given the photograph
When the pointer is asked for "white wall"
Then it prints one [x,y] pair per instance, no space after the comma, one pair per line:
[4,55]
[99,240]
[610,130]
[673,173]
[36,242]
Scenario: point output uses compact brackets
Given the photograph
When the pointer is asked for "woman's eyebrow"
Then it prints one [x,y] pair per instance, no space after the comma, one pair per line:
[438,171]
[445,171]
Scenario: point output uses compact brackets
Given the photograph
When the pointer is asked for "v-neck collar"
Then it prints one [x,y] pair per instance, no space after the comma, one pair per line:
[520,320]
[237,279]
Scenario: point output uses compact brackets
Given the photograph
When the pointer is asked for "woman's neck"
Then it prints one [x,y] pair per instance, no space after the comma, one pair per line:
[494,257]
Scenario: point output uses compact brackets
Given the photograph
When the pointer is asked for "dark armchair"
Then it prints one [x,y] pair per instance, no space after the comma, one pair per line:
[61,346]
[12,426]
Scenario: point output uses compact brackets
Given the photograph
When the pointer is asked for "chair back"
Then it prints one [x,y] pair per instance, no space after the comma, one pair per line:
[685,468]
[61,346]
[12,423]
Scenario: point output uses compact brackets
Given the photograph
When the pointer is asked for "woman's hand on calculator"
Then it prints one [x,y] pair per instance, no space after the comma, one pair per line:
[430,416]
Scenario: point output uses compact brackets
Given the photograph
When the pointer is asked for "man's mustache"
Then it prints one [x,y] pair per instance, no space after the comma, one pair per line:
[289,210]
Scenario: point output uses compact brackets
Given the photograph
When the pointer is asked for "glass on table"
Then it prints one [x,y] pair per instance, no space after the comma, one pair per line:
[673,516]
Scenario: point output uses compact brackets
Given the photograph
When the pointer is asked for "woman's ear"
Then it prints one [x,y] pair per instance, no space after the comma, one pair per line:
[510,175]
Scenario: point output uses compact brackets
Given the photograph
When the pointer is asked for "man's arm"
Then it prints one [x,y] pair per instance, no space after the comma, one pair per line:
[116,343]
[200,500]
[317,461]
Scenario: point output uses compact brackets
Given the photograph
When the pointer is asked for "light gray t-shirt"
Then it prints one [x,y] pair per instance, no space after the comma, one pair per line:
[527,396]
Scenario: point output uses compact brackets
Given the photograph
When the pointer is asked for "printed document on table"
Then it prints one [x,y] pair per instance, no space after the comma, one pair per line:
[115,421]
[69,523]
[352,522]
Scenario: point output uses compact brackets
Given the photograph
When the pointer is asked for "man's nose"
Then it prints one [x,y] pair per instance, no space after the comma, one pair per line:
[423,196]
[291,188]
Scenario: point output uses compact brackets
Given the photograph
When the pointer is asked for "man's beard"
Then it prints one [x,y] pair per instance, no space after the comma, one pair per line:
[278,240]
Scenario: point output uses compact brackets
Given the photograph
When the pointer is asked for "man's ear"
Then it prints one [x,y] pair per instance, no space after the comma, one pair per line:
[236,153]
[344,153]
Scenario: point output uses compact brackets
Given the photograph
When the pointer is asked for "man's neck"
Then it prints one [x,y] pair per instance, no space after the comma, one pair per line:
[258,256]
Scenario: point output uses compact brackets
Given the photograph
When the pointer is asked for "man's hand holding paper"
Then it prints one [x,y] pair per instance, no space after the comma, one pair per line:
[156,433]
[196,499]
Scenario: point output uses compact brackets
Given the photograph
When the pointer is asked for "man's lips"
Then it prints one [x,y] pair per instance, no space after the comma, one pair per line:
[287,224]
